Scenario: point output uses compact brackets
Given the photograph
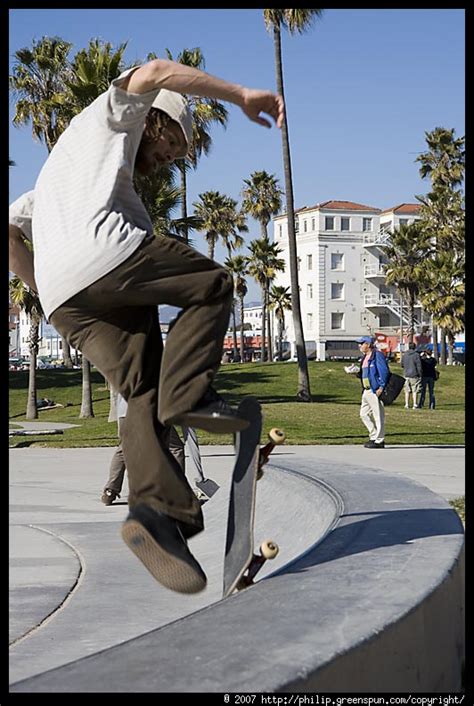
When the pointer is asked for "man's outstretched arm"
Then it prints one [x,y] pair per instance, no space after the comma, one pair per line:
[20,258]
[161,73]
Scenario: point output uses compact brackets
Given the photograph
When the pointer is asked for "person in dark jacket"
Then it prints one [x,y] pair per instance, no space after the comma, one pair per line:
[411,364]
[374,374]
[428,378]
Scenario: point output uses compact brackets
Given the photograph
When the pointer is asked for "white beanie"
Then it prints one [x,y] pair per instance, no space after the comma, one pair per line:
[176,106]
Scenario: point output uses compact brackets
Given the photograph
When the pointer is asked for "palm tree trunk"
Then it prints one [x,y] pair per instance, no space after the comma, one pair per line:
[442,356]
[242,344]
[280,338]
[234,332]
[210,248]
[450,348]
[411,333]
[269,329]
[434,336]
[31,405]
[86,406]
[184,207]
[263,327]
[66,353]
[304,392]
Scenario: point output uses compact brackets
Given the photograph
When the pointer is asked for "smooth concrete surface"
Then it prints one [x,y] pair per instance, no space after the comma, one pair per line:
[394,547]
[57,493]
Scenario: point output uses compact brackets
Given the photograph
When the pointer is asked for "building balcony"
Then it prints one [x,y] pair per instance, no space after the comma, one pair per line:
[378,239]
[376,270]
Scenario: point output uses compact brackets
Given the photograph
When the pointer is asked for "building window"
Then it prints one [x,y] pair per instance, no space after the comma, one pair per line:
[329,223]
[305,226]
[297,225]
[309,261]
[299,263]
[403,222]
[337,320]
[280,231]
[337,290]
[313,224]
[337,261]
[309,321]
[345,223]
[366,224]
[309,291]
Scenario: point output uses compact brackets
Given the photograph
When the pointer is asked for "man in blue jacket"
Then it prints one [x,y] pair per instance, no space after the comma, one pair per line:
[374,374]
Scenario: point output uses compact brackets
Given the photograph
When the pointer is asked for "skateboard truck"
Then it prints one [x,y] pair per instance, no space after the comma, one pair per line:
[277,437]
[268,551]
[205,488]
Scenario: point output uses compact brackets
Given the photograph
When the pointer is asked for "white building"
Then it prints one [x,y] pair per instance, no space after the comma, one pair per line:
[343,293]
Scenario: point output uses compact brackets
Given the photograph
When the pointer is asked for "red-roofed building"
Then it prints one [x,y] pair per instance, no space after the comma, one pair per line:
[341,273]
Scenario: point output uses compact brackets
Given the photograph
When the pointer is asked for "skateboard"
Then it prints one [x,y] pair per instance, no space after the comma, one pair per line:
[241,564]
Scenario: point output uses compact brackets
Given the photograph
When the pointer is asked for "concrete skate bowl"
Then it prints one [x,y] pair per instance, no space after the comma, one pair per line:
[374,605]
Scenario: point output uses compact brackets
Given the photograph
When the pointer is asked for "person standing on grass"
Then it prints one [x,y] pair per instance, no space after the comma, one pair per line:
[429,377]
[411,364]
[101,274]
[374,374]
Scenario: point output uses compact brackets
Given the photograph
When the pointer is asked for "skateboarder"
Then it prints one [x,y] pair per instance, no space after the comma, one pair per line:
[101,274]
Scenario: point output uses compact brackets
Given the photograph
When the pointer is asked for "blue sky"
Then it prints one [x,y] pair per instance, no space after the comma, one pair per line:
[362,87]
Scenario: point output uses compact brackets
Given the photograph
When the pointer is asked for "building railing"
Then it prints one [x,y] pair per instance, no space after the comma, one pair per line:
[381,237]
[374,271]
[379,299]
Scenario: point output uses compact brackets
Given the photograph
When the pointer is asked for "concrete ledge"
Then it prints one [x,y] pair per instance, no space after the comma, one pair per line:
[376,606]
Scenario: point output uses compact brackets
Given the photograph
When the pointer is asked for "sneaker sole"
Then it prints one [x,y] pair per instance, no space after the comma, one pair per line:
[167,569]
[220,424]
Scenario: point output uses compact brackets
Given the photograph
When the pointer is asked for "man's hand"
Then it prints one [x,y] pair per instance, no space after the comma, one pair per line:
[255,102]
[379,391]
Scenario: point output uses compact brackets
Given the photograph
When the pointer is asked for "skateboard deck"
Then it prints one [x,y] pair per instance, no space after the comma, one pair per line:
[249,459]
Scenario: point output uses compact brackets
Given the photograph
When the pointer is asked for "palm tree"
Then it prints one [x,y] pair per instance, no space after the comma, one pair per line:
[92,71]
[444,294]
[280,301]
[86,405]
[212,212]
[263,264]
[205,112]
[237,266]
[406,254]
[38,83]
[294,21]
[262,198]
[442,209]
[25,299]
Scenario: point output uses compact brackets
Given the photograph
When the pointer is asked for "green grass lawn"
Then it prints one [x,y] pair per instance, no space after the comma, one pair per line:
[331,418]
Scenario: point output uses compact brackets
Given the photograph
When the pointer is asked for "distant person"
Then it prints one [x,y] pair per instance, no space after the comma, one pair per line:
[411,364]
[374,374]
[113,486]
[429,377]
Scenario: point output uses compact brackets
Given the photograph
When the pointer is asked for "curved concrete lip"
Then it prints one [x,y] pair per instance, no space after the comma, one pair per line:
[102,611]
[388,525]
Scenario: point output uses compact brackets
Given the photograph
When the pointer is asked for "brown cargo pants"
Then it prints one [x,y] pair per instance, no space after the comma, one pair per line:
[114,323]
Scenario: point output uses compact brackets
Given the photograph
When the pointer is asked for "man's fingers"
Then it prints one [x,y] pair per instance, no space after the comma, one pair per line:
[262,121]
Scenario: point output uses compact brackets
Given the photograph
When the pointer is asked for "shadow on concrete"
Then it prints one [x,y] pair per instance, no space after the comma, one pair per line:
[383,529]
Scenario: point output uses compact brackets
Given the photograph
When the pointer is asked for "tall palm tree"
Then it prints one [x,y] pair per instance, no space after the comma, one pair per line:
[38,83]
[293,21]
[443,294]
[237,266]
[205,113]
[442,209]
[263,264]
[406,254]
[280,301]
[218,219]
[262,198]
[29,302]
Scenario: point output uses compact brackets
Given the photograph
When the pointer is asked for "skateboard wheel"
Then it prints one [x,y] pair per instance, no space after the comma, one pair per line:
[277,436]
[269,549]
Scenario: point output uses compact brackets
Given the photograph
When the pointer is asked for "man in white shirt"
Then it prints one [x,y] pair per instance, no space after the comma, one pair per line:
[100,274]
